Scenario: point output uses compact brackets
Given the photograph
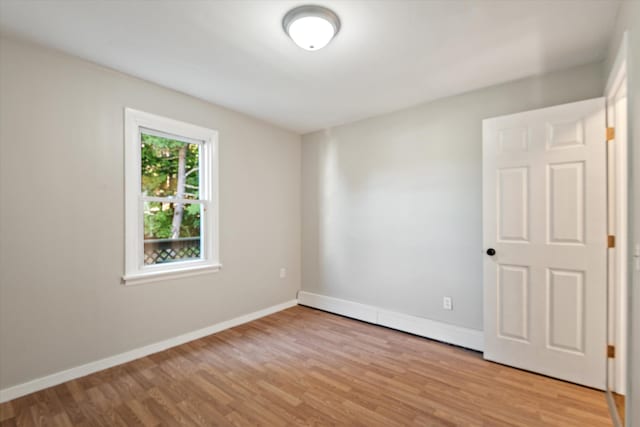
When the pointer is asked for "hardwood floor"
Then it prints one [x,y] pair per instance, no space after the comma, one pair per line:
[306,367]
[620,406]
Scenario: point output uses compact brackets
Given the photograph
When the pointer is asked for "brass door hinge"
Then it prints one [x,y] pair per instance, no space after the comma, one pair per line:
[611,351]
[611,134]
[611,241]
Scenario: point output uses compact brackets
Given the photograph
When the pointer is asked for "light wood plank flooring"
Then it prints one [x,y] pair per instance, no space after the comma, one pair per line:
[620,405]
[307,367]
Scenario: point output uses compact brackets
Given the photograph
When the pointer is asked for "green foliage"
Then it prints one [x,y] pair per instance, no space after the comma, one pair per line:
[159,216]
[157,222]
[193,209]
[160,166]
[160,179]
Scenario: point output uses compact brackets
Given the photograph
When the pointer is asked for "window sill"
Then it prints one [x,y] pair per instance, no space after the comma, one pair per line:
[155,276]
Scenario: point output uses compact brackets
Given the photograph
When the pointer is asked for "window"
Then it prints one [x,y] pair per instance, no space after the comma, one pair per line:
[171,198]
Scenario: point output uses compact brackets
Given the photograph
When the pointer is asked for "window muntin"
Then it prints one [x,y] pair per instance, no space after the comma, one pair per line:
[171,196]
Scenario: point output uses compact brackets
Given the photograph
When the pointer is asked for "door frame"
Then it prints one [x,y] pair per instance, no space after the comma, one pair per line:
[618,208]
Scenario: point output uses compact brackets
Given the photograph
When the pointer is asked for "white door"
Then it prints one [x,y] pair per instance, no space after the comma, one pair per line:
[544,215]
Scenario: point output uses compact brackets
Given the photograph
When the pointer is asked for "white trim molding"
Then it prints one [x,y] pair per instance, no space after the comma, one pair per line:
[178,273]
[138,123]
[451,334]
[618,70]
[617,97]
[23,389]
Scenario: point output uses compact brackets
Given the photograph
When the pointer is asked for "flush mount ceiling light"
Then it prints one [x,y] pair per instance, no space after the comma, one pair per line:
[311,27]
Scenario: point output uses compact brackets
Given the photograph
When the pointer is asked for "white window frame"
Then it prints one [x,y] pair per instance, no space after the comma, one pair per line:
[136,271]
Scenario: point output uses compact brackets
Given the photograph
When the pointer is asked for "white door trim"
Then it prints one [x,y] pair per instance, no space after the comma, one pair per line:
[618,317]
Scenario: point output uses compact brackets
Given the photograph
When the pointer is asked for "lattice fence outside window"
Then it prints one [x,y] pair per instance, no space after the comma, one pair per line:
[159,251]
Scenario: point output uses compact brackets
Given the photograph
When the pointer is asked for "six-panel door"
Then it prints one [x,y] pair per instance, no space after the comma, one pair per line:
[544,212]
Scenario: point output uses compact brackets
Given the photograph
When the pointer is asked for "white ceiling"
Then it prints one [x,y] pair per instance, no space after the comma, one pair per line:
[388,54]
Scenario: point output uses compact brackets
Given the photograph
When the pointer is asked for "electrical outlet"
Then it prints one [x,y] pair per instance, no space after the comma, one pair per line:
[283,273]
[447,303]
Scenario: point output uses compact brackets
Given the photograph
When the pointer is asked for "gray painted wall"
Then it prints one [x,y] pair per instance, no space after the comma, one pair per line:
[61,225]
[629,20]
[392,205]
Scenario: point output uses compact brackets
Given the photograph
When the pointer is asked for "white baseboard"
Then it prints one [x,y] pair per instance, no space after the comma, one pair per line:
[463,337]
[343,307]
[108,362]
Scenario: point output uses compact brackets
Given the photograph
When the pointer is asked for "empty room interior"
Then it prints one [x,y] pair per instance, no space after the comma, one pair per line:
[324,213]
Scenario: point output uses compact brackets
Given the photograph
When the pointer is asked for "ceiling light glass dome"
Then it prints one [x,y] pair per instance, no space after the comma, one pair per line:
[311,27]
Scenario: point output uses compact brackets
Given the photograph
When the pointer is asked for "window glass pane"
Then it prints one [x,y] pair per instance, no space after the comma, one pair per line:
[171,232]
[169,167]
